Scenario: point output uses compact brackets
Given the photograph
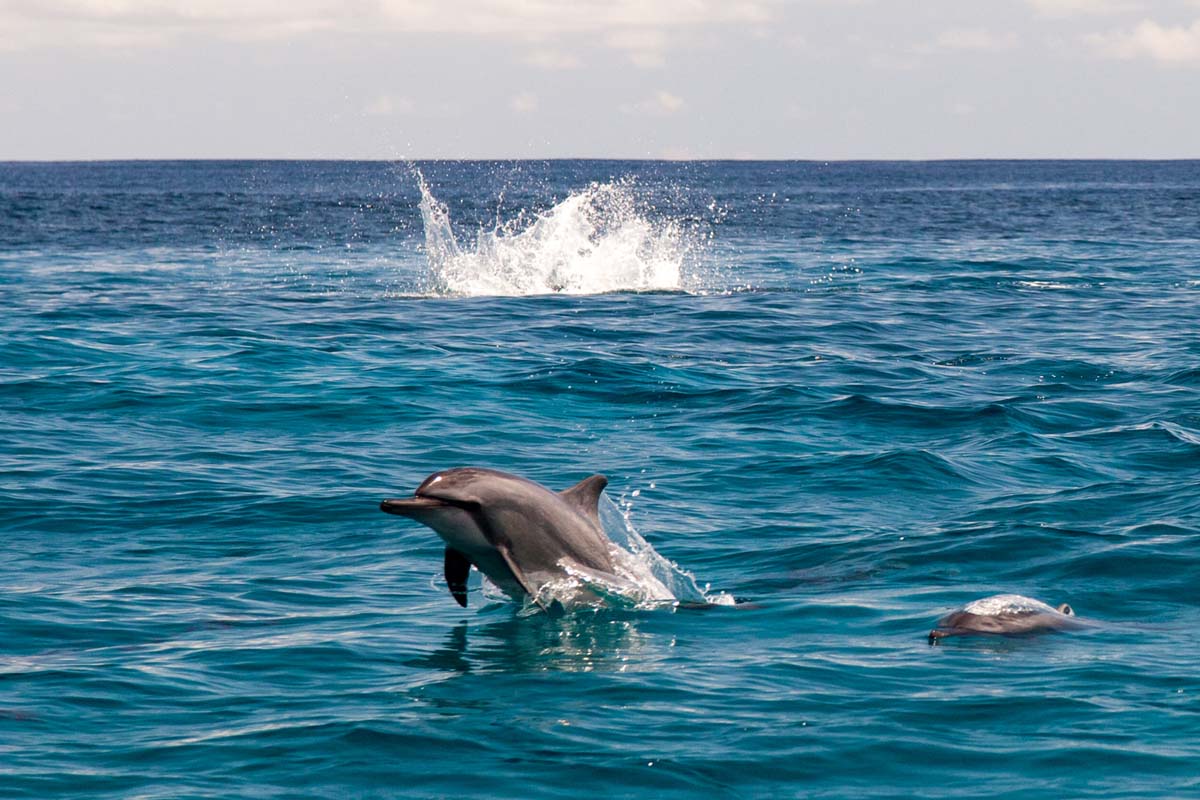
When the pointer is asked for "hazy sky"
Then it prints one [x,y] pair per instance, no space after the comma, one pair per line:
[83,79]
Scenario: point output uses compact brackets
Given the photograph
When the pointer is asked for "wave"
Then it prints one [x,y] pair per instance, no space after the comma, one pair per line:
[599,239]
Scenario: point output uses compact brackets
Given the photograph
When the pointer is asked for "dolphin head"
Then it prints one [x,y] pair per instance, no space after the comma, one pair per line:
[445,503]
[450,502]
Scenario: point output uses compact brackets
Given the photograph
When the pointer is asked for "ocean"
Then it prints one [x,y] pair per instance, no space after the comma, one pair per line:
[855,396]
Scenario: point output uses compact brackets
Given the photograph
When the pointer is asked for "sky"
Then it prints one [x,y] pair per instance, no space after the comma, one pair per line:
[794,79]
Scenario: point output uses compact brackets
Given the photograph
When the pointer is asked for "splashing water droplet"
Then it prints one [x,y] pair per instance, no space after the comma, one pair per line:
[596,240]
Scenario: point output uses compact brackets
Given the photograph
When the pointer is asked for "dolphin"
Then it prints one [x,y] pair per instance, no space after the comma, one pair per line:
[1006,614]
[518,533]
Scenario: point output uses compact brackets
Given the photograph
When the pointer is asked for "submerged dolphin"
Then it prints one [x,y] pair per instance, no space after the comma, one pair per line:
[517,532]
[1006,614]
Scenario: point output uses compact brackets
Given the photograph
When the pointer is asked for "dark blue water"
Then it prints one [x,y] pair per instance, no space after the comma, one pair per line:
[856,394]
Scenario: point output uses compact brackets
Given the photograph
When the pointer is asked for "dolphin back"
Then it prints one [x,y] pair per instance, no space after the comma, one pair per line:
[544,531]
[1005,623]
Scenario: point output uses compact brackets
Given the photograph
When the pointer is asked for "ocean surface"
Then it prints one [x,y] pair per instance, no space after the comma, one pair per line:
[854,395]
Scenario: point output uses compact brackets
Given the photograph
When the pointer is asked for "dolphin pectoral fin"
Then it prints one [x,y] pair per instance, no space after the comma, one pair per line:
[506,554]
[584,497]
[457,568]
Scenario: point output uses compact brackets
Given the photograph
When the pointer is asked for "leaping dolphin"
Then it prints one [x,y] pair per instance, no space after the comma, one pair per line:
[518,533]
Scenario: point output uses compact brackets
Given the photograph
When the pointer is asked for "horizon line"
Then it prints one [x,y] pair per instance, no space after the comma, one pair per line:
[603,159]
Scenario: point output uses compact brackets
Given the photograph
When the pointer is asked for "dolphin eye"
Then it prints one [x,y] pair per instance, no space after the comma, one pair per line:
[465,505]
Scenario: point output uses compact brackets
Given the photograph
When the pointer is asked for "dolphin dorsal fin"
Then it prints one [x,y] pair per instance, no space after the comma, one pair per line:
[584,497]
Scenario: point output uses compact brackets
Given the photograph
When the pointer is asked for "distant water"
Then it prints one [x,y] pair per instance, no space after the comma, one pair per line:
[857,394]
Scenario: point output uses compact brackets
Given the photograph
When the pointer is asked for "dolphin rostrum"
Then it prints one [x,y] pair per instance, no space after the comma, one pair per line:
[518,533]
[1006,614]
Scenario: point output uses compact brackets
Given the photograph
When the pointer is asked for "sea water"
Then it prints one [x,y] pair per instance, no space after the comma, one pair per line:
[853,395]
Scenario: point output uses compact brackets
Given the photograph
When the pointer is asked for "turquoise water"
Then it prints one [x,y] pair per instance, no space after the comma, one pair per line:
[856,395]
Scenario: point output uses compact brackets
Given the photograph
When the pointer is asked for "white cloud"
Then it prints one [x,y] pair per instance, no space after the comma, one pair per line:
[156,23]
[545,17]
[668,102]
[647,59]
[894,62]
[644,47]
[79,21]
[523,103]
[385,105]
[296,16]
[1070,8]
[599,15]
[1168,44]
[976,39]
[661,104]
[552,60]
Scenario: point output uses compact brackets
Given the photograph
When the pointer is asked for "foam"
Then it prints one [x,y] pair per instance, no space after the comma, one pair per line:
[1007,604]
[597,240]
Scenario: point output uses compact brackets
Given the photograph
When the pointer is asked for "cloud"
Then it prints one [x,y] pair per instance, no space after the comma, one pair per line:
[551,60]
[1167,44]
[545,17]
[523,103]
[976,39]
[156,23]
[71,22]
[661,104]
[1070,8]
[643,47]
[385,105]
[668,102]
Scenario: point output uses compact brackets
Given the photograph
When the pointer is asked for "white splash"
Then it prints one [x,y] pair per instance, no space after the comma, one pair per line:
[659,579]
[641,579]
[597,240]
[1013,604]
